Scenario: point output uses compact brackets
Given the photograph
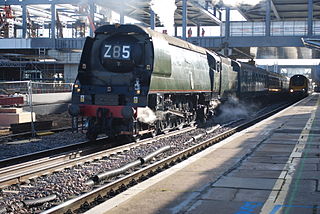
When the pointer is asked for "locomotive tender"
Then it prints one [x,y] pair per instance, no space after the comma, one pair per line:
[133,81]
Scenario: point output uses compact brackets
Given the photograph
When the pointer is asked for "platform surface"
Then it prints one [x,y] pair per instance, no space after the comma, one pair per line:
[270,168]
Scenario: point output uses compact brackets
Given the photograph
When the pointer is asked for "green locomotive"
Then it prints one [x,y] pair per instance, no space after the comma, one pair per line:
[134,81]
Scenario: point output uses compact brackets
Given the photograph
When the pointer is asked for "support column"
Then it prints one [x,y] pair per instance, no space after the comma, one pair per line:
[227,24]
[227,32]
[310,18]
[184,19]
[121,16]
[152,20]
[91,21]
[268,17]
[24,21]
[53,21]
[198,30]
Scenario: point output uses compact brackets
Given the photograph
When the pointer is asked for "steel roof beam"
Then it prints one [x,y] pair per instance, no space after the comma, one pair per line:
[285,14]
[274,9]
[206,12]
[27,2]
[293,3]
[135,9]
[189,20]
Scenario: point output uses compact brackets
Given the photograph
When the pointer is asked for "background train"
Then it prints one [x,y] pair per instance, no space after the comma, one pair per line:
[299,85]
[134,81]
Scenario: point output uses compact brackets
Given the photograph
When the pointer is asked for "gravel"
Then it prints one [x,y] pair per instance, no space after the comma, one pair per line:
[22,147]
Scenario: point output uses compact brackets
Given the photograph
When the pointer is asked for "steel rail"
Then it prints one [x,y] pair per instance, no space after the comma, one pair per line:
[47,153]
[72,155]
[44,162]
[109,190]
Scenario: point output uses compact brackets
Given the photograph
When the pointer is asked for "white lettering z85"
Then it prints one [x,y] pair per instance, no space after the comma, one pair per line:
[117,51]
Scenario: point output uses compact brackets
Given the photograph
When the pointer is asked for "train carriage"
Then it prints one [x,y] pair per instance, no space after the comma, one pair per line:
[252,81]
[255,82]
[277,83]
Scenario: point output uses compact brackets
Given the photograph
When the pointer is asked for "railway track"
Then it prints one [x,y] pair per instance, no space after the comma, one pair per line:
[22,168]
[21,174]
[19,169]
[5,138]
[115,185]
[48,153]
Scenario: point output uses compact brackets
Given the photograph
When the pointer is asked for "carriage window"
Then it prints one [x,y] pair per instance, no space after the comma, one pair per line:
[298,81]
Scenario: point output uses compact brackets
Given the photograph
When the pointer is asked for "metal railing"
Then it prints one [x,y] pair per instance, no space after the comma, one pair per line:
[22,87]
[289,28]
[277,28]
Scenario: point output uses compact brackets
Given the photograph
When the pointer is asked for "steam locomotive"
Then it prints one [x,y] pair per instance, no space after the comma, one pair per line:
[135,81]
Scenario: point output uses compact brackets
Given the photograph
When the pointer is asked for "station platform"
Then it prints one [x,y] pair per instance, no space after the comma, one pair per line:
[270,168]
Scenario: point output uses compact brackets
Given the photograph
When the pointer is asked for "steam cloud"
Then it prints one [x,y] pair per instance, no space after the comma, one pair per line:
[165,10]
[146,115]
[232,109]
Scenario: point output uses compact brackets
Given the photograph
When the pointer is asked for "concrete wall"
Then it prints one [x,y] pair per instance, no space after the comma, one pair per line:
[48,109]
[65,57]
[51,98]
[70,61]
[50,103]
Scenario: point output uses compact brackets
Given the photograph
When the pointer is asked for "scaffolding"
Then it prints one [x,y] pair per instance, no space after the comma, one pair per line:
[37,67]
[6,22]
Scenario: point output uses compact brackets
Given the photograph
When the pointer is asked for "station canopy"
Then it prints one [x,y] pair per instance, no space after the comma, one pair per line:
[140,10]
[72,10]
[281,10]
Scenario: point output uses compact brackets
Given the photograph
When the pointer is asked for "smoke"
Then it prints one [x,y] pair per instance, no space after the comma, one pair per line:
[146,115]
[165,10]
[232,109]
[236,2]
